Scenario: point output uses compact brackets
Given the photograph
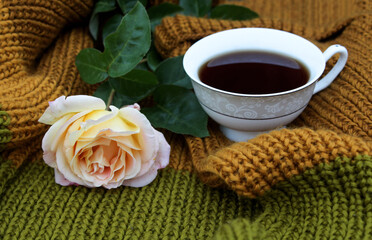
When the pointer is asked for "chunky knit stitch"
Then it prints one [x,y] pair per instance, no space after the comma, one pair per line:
[309,181]
[326,202]
[36,66]
[251,168]
[5,133]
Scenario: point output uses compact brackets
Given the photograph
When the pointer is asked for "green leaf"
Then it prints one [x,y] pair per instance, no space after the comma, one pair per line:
[126,47]
[137,84]
[233,12]
[198,8]
[111,25]
[177,110]
[142,66]
[121,100]
[100,7]
[127,5]
[157,12]
[171,72]
[92,65]
[104,90]
[153,59]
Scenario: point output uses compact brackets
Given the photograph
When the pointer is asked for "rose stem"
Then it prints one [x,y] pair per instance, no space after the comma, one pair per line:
[111,97]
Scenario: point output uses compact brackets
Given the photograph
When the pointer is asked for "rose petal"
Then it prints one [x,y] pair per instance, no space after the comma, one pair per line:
[100,121]
[149,141]
[133,164]
[162,159]
[70,126]
[72,104]
[145,167]
[61,180]
[52,136]
[128,141]
[80,145]
[135,106]
[143,180]
[50,158]
[111,185]
[64,167]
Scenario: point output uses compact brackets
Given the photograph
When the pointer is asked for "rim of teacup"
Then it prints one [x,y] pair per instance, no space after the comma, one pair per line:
[199,82]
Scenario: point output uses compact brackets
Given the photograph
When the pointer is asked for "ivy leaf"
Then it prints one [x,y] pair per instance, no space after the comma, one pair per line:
[111,25]
[127,5]
[198,8]
[156,13]
[137,84]
[142,66]
[92,65]
[233,12]
[100,7]
[126,47]
[153,59]
[171,72]
[177,110]
[104,90]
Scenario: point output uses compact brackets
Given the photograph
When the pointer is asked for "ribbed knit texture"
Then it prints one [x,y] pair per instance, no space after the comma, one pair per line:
[327,202]
[36,66]
[309,181]
[251,168]
[330,201]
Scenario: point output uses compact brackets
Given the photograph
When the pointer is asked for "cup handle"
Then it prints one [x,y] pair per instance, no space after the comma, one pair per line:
[328,79]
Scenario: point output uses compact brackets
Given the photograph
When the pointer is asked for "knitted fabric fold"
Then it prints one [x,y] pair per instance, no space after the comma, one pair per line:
[37,65]
[311,180]
[343,108]
[326,202]
[252,168]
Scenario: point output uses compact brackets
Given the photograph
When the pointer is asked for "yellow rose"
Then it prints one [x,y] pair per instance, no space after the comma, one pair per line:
[90,146]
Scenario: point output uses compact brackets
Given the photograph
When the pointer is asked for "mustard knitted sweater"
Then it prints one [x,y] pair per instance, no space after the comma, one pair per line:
[312,180]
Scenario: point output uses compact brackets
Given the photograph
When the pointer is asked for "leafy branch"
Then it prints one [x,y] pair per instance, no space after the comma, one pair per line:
[129,69]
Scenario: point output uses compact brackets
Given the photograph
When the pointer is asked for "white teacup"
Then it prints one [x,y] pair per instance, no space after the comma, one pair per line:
[243,116]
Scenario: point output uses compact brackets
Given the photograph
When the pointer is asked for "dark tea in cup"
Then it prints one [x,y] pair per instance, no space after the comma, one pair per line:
[254,80]
[253,72]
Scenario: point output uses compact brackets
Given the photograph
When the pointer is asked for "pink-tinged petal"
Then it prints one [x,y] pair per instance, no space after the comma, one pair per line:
[143,180]
[162,159]
[112,185]
[145,166]
[81,145]
[132,164]
[148,140]
[72,104]
[104,174]
[64,167]
[61,180]
[50,158]
[135,106]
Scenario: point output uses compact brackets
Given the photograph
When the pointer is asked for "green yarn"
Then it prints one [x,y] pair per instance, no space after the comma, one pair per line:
[241,229]
[5,133]
[7,170]
[331,201]
[175,206]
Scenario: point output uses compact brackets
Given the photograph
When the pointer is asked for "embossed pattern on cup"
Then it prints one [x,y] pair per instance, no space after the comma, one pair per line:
[243,116]
[255,108]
